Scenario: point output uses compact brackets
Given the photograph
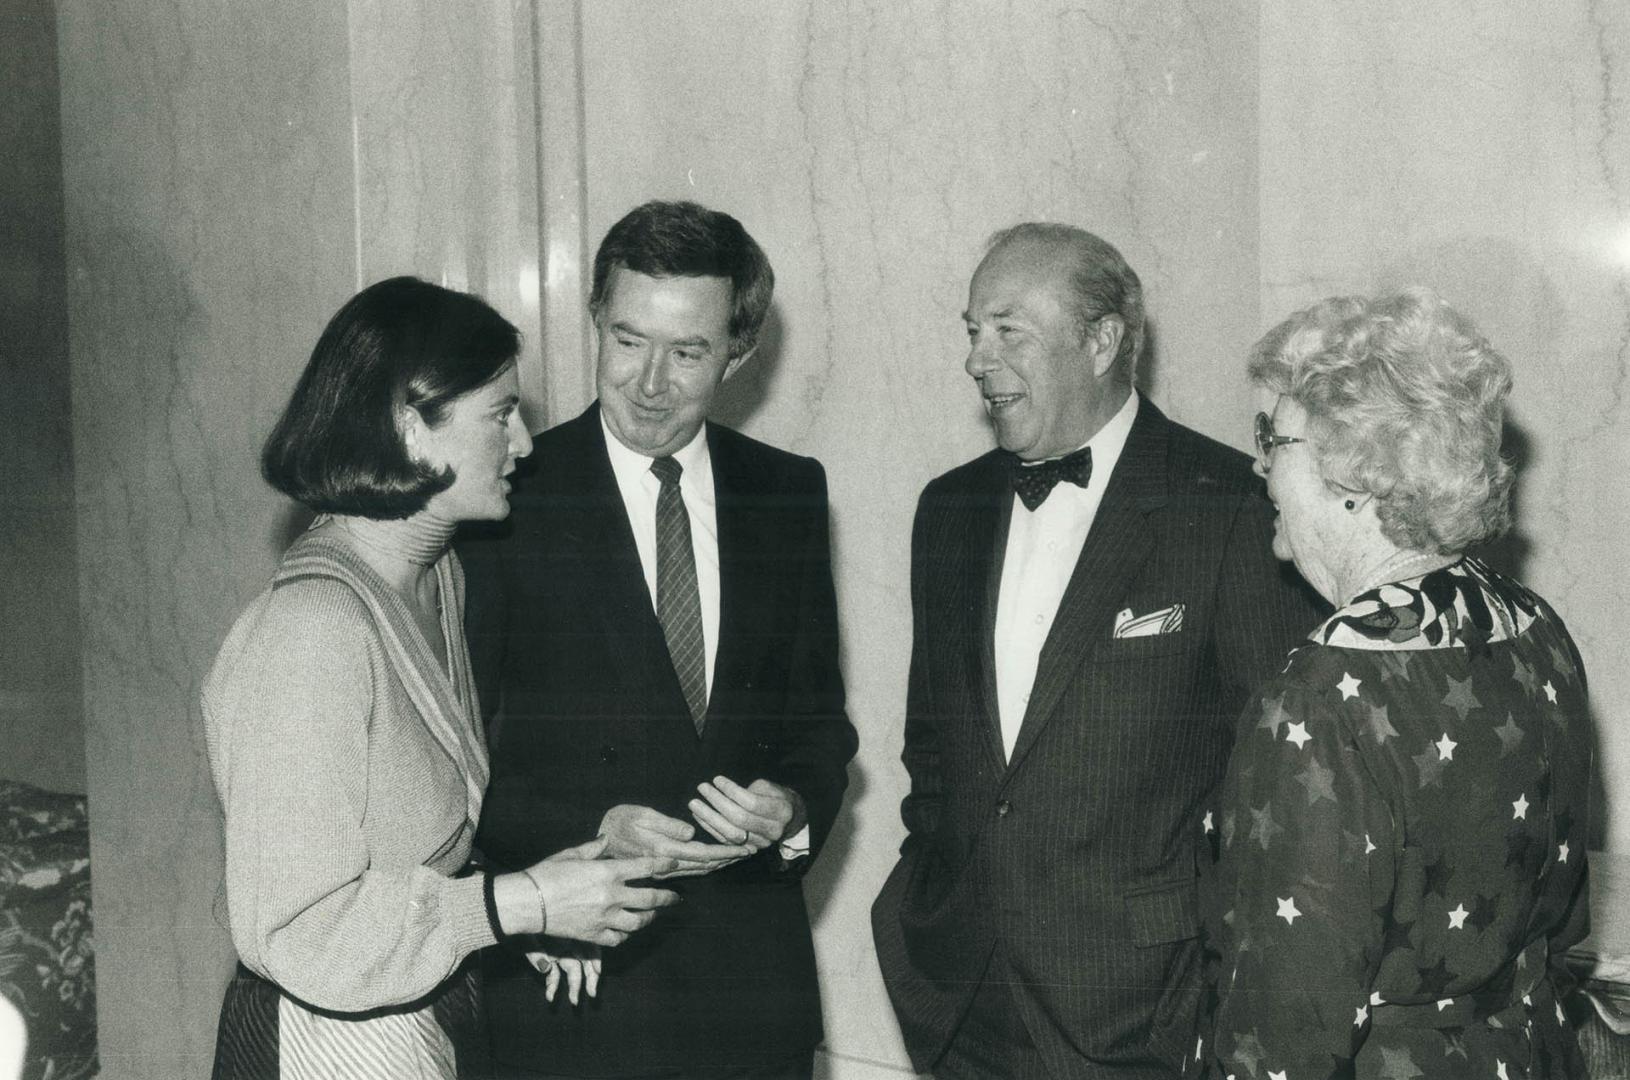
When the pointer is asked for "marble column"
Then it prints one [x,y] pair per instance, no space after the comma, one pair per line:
[446,155]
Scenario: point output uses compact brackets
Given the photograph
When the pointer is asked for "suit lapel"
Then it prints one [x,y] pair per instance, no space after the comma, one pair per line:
[740,532]
[988,520]
[597,536]
[1122,537]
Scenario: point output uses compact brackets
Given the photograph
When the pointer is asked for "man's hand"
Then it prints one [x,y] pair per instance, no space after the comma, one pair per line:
[755,816]
[640,831]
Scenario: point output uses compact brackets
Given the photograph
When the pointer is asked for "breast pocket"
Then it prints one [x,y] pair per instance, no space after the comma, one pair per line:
[1148,647]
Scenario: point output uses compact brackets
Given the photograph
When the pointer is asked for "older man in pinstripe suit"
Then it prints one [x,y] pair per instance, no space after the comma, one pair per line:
[1092,602]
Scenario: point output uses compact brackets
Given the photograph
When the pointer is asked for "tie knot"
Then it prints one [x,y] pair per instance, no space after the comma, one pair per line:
[667,470]
[1033,483]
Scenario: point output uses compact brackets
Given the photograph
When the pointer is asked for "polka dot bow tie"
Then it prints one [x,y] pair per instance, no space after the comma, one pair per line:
[1033,483]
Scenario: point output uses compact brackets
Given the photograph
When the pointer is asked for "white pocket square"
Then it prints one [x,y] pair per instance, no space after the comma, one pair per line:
[1165,621]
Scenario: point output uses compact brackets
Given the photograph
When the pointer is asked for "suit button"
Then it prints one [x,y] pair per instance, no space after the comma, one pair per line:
[608,754]
[1003,808]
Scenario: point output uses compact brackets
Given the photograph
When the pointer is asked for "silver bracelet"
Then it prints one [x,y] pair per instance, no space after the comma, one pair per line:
[543,910]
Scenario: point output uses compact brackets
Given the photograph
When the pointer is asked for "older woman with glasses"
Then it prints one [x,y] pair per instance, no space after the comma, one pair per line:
[1402,829]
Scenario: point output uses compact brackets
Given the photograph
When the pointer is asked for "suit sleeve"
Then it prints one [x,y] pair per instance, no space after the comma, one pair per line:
[817,738]
[920,809]
[1305,878]
[1264,608]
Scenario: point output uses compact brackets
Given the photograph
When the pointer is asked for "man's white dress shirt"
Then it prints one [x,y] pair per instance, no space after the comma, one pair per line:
[1043,546]
[639,488]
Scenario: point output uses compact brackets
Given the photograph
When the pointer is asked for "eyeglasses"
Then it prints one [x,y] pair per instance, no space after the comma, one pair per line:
[1266,440]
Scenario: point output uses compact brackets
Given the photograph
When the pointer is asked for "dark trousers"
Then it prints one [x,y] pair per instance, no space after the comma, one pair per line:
[992,1042]
[799,1067]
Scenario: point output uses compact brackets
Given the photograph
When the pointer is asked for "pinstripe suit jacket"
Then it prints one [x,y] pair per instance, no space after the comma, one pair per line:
[1079,853]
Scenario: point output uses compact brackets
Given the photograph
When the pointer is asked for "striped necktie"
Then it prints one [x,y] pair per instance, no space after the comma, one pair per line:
[679,603]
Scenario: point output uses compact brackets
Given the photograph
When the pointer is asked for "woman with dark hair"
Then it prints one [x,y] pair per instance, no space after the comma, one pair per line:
[1403,824]
[341,722]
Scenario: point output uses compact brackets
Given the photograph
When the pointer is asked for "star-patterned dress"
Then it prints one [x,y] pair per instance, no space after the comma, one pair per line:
[1401,843]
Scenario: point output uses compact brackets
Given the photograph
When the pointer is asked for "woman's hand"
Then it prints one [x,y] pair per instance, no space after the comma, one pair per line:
[577,963]
[589,899]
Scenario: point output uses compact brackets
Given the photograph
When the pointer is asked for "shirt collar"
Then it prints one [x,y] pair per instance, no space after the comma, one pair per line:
[631,466]
[1110,440]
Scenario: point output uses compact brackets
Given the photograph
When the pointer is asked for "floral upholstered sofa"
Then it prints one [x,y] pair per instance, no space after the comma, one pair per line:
[46,967]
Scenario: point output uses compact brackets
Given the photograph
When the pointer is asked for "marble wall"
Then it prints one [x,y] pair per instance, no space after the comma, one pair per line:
[233,173]
[42,736]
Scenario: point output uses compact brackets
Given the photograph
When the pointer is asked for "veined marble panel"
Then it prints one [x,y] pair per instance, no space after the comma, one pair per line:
[206,153]
[1484,149]
[871,148]
[445,128]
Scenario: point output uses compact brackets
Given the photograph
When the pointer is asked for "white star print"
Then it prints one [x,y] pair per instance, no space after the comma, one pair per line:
[1528,1001]
[1362,1013]
[1368,846]
[1207,826]
[1297,733]
[1444,1003]
[1499,1069]
[1348,686]
[1280,1075]
[1519,809]
[1550,692]
[1446,748]
[1457,917]
[1287,910]
[1561,1017]
[1198,1043]
[1562,852]
[1375,997]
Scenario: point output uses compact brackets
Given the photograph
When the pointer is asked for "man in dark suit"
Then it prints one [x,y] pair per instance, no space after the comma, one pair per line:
[1091,604]
[659,624]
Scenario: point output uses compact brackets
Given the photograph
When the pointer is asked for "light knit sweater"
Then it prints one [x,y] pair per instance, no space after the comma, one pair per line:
[351,774]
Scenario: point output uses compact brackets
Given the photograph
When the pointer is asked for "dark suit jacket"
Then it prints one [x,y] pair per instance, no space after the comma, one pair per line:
[1079,855]
[562,628]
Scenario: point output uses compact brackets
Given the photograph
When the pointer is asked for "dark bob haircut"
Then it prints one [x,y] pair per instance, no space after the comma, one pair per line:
[684,239]
[401,342]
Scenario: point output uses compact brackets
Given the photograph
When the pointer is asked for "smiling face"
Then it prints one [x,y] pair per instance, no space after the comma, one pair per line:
[1313,528]
[480,436]
[1046,390]
[664,351]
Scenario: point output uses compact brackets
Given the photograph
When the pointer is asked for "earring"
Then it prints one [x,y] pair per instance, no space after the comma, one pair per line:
[1350,504]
